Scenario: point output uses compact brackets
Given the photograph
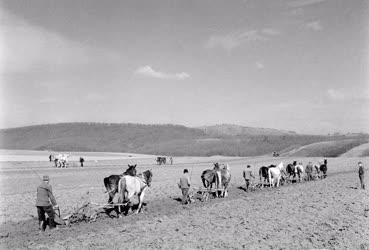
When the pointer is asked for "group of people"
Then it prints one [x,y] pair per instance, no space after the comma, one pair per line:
[46,203]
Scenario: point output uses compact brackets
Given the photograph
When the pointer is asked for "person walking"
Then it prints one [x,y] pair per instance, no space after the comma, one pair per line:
[184,184]
[247,175]
[45,203]
[309,171]
[81,160]
[361,175]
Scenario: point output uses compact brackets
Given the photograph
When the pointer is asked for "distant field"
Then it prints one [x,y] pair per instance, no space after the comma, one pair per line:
[34,155]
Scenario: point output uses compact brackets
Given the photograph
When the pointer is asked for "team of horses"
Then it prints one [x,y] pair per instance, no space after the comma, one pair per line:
[130,184]
[60,160]
[273,175]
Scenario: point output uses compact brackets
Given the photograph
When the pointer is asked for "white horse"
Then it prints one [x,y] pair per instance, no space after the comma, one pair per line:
[275,174]
[299,169]
[61,160]
[128,186]
[225,178]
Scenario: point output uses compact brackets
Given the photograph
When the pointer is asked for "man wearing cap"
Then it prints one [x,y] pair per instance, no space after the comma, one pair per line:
[45,203]
[361,174]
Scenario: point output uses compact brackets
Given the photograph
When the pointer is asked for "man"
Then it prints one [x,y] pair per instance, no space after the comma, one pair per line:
[361,175]
[45,203]
[309,171]
[81,160]
[184,184]
[247,175]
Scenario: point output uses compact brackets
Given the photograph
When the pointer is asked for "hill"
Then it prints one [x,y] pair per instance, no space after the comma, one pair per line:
[166,139]
[327,148]
[359,151]
[233,130]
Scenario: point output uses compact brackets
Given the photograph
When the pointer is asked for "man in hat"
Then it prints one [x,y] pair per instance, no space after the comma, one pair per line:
[45,204]
[184,184]
[361,174]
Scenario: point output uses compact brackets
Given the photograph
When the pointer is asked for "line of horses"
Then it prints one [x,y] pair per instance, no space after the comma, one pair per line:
[273,175]
[60,160]
[129,183]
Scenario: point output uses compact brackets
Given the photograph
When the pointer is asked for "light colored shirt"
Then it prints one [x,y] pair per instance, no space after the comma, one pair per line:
[184,181]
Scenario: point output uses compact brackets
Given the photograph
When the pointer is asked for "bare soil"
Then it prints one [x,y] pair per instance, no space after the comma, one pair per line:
[329,213]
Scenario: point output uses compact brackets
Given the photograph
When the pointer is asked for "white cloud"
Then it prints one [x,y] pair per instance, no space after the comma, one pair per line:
[302,3]
[235,39]
[350,95]
[150,72]
[259,65]
[314,25]
[94,97]
[336,94]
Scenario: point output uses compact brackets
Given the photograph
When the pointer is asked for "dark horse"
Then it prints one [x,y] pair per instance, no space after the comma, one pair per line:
[323,168]
[209,176]
[263,173]
[291,170]
[111,182]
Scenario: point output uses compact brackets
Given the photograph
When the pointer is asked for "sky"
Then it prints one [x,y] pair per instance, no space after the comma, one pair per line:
[299,65]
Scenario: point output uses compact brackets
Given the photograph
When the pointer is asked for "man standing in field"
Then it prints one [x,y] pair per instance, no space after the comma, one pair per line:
[309,171]
[247,175]
[184,184]
[361,175]
[45,204]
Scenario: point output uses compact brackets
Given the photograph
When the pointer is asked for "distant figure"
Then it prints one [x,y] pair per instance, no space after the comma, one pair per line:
[247,175]
[184,184]
[45,203]
[50,158]
[171,160]
[309,171]
[361,175]
[81,160]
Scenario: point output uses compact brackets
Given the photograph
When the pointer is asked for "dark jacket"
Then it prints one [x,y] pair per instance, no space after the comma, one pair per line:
[45,195]
[361,170]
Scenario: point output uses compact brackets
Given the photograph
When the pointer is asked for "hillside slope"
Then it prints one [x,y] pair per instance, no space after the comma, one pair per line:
[233,130]
[327,148]
[359,151]
[160,140]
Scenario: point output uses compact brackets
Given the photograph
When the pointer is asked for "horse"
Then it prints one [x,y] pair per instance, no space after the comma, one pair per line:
[291,170]
[275,173]
[111,182]
[263,173]
[299,171]
[323,168]
[212,176]
[129,186]
[225,179]
[61,160]
[161,160]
